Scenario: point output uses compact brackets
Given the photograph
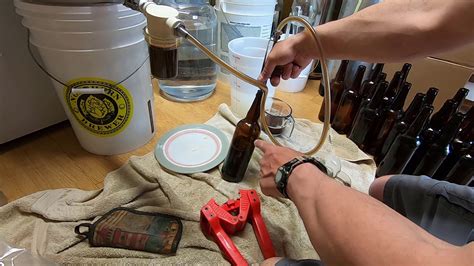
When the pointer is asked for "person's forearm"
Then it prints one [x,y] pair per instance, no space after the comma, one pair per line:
[373,235]
[396,30]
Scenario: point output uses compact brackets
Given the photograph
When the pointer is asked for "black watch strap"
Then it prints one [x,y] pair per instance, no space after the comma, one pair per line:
[286,170]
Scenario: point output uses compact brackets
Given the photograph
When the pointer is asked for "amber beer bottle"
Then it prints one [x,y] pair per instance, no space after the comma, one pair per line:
[350,100]
[439,150]
[463,170]
[402,125]
[386,122]
[404,146]
[368,116]
[337,88]
[242,145]
[459,147]
[405,72]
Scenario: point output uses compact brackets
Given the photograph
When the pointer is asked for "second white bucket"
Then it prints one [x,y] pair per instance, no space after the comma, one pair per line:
[246,55]
[108,96]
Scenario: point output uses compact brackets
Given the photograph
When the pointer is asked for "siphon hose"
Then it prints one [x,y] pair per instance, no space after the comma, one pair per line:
[181,31]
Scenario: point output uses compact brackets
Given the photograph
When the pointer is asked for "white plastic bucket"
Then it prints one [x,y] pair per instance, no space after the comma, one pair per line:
[238,19]
[248,8]
[246,55]
[86,25]
[106,118]
[87,40]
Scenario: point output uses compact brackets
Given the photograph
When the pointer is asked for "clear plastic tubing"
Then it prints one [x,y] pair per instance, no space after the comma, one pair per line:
[181,31]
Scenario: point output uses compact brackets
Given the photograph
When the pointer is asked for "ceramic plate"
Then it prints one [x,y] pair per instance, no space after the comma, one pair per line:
[192,149]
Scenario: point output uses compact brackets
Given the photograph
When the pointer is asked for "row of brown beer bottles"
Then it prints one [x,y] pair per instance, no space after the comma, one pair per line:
[402,124]
[433,130]
[404,145]
[463,170]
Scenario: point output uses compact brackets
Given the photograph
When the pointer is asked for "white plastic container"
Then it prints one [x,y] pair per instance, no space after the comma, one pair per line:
[298,84]
[246,55]
[238,19]
[96,56]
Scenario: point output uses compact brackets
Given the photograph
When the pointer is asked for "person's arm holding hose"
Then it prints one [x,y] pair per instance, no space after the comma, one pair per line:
[391,31]
[347,227]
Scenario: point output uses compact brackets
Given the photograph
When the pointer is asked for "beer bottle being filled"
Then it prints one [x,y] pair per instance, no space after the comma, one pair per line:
[431,95]
[459,147]
[368,116]
[463,170]
[386,122]
[402,124]
[439,150]
[350,100]
[404,146]
[242,144]
[337,88]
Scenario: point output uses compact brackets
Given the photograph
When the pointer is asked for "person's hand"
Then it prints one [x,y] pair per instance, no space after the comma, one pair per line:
[290,57]
[273,157]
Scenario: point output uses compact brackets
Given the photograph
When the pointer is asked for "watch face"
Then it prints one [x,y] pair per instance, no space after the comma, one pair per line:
[278,176]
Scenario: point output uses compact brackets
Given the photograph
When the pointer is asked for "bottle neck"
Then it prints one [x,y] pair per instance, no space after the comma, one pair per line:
[393,86]
[376,72]
[442,116]
[341,73]
[460,95]
[417,126]
[405,71]
[401,97]
[254,112]
[356,84]
[431,95]
[451,130]
[378,96]
[414,108]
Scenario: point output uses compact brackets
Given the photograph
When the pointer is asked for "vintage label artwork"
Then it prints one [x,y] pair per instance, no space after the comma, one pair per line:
[105,114]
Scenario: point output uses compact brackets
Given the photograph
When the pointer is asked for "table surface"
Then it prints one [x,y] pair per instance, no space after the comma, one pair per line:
[53,158]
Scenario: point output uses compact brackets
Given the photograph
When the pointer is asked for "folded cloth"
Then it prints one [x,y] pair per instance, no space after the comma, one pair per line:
[44,221]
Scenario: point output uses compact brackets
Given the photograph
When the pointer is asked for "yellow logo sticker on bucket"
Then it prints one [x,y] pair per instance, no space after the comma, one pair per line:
[103,114]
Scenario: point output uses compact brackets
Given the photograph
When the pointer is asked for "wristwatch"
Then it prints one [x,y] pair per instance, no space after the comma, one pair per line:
[284,171]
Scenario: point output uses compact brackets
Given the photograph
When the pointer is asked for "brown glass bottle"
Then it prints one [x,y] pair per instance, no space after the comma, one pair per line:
[404,146]
[386,122]
[367,117]
[242,145]
[402,124]
[439,150]
[337,88]
[463,170]
[350,100]
[440,118]
[431,95]
[459,147]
